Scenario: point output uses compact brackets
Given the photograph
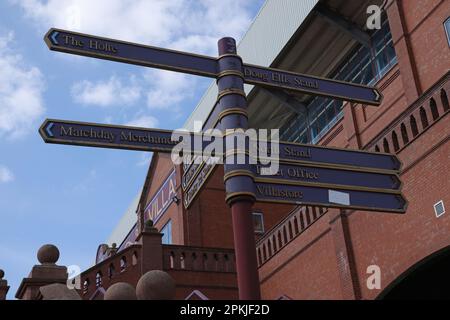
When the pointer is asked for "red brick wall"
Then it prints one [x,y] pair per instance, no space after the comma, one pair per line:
[393,242]
[304,269]
[424,20]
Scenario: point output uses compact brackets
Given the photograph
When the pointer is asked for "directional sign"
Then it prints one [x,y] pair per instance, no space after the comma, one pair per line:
[191,170]
[351,178]
[311,85]
[201,177]
[330,197]
[119,137]
[132,53]
[305,153]
[138,54]
[106,136]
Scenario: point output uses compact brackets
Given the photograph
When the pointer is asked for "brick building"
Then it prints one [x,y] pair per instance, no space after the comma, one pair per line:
[310,252]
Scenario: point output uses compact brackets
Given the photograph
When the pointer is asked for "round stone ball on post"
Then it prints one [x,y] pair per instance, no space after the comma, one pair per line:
[120,291]
[48,254]
[155,285]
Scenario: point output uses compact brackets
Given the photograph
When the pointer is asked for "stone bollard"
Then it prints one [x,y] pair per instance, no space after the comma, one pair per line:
[120,291]
[4,288]
[156,285]
[45,276]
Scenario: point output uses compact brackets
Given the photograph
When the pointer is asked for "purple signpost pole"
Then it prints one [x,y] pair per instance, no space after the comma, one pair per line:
[239,182]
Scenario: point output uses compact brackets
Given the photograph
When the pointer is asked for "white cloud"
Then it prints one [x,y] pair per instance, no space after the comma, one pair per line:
[157,22]
[106,93]
[5,175]
[144,122]
[167,89]
[187,25]
[21,88]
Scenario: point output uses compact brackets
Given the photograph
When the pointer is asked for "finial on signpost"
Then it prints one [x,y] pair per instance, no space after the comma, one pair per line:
[227,45]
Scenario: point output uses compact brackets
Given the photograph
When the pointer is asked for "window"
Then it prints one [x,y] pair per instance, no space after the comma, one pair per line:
[85,286]
[167,233]
[258,222]
[98,279]
[423,118]
[111,271]
[447,30]
[439,209]
[444,100]
[134,259]
[434,109]
[386,146]
[414,129]
[395,141]
[362,66]
[123,264]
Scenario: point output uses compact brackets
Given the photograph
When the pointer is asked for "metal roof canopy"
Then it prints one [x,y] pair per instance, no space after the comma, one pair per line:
[316,48]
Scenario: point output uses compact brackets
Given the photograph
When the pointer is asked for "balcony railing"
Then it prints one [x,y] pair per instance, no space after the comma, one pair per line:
[110,270]
[198,259]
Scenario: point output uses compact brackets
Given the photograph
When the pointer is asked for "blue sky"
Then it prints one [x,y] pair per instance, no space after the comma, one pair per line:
[72,196]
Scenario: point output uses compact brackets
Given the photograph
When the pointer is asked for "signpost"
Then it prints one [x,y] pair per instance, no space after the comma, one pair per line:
[148,56]
[307,175]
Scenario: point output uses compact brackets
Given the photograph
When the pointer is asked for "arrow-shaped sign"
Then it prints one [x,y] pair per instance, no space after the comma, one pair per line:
[307,84]
[106,136]
[330,197]
[132,53]
[138,54]
[352,178]
[121,137]
[337,157]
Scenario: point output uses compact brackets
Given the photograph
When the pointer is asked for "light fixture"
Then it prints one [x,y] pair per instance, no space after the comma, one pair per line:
[176,199]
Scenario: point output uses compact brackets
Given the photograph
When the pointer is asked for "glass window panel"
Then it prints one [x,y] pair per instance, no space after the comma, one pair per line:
[447,29]
[167,233]
[382,62]
[363,65]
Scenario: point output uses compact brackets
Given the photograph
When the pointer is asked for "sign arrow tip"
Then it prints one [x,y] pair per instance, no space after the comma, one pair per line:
[53,36]
[48,129]
[378,95]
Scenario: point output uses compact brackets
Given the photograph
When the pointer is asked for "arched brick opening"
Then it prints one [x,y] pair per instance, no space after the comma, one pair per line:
[427,279]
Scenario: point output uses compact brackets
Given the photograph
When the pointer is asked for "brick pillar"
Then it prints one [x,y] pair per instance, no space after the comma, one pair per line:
[344,255]
[152,253]
[402,43]
[42,275]
[351,126]
[4,288]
